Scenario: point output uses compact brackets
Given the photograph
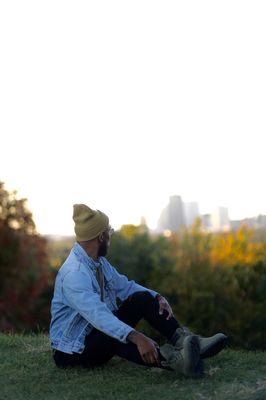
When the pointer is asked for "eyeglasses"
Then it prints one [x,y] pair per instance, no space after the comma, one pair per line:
[110,230]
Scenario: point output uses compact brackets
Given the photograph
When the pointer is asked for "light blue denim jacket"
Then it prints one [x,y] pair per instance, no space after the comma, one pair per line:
[76,306]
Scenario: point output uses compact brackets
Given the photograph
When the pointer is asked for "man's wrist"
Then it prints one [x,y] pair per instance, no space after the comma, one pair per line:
[131,336]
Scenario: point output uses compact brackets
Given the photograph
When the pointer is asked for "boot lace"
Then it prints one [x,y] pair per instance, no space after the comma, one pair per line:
[176,354]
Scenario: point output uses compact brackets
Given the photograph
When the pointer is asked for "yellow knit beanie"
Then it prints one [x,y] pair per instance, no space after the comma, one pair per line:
[88,223]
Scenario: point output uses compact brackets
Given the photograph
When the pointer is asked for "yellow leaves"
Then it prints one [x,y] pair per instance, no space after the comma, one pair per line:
[233,248]
[129,231]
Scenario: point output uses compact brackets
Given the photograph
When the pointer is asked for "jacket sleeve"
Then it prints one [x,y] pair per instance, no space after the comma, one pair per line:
[79,293]
[125,288]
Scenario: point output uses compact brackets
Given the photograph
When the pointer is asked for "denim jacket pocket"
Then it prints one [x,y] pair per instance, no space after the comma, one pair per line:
[73,327]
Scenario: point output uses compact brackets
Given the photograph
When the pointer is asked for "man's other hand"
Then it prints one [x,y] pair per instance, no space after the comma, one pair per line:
[147,347]
[164,305]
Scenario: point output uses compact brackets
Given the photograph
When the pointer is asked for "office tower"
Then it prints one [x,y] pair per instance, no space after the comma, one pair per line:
[172,216]
[261,221]
[163,220]
[220,219]
[176,213]
[191,210]
[206,222]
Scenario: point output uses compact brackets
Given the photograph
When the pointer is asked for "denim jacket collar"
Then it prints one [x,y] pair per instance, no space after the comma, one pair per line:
[83,257]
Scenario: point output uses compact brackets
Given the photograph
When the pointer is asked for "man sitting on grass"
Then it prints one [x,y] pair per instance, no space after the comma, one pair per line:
[88,328]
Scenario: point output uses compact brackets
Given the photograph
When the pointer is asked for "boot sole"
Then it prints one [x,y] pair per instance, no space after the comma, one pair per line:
[215,348]
[193,366]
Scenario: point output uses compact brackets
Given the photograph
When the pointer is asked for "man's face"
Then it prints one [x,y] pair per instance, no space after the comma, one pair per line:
[105,239]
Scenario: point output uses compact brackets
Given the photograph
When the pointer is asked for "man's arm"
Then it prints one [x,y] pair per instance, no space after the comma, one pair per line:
[125,288]
[78,291]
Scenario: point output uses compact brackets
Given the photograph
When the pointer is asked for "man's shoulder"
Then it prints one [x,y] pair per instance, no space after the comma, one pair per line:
[73,266]
[75,276]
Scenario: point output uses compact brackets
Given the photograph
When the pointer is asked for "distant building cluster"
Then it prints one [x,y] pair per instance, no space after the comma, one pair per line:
[178,213]
[258,222]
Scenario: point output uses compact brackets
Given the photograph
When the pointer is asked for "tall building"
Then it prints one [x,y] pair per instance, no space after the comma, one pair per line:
[220,219]
[206,222]
[172,216]
[261,221]
[163,220]
[176,213]
[191,210]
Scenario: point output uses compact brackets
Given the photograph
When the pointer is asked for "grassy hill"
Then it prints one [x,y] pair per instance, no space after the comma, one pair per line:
[27,371]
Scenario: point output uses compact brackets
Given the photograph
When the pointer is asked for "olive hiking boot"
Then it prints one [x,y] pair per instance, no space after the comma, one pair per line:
[185,359]
[209,346]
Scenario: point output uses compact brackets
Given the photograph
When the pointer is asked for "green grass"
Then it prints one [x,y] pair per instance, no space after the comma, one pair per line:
[27,371]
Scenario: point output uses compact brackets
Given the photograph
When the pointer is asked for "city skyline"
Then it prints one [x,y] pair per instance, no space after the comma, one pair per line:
[179,213]
[191,210]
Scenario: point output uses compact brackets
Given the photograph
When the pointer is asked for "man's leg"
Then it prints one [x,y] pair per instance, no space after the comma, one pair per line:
[100,348]
[143,305]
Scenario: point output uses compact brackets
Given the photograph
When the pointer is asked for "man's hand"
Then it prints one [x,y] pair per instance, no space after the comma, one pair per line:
[164,305]
[146,347]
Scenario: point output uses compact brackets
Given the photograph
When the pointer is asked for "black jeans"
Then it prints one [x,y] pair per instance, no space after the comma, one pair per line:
[100,348]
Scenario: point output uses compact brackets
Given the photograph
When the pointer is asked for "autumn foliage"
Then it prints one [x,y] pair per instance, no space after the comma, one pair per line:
[25,275]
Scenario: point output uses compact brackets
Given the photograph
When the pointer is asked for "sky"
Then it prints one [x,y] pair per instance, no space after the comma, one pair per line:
[121,104]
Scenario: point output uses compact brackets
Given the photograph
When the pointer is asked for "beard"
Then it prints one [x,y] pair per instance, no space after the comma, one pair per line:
[103,249]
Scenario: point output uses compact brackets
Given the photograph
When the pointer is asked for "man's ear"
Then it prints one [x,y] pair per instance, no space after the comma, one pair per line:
[101,238]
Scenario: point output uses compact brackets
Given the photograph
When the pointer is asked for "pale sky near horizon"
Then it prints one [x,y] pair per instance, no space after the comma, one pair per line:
[120,104]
